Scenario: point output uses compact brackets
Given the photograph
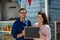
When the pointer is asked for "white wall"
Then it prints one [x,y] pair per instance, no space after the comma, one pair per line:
[32,10]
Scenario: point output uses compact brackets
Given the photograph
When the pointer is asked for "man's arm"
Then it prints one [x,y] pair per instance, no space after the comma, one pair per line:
[15,32]
[21,34]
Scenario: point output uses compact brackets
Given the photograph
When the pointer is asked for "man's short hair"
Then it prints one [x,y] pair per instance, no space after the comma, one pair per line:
[22,9]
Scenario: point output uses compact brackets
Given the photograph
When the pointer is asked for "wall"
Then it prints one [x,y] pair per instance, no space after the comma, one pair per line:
[54,14]
[33,9]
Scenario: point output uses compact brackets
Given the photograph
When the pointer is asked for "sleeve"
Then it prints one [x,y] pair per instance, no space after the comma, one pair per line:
[48,32]
[14,30]
[29,23]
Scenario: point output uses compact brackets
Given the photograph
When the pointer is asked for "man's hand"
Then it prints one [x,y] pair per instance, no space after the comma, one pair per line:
[19,35]
[23,32]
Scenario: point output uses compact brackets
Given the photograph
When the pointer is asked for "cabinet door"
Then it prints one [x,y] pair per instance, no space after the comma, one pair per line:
[11,10]
[0,12]
[57,28]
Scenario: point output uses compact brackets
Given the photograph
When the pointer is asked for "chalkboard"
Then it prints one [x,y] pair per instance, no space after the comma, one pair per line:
[31,32]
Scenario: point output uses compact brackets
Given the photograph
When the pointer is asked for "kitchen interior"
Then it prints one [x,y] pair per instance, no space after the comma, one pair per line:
[8,14]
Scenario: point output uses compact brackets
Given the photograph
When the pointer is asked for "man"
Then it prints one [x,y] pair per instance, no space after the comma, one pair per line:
[19,24]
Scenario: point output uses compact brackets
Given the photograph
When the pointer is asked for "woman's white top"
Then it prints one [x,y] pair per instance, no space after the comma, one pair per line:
[45,32]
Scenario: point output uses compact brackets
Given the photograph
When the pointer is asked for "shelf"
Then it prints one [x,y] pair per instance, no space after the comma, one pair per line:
[7,21]
[8,37]
[5,32]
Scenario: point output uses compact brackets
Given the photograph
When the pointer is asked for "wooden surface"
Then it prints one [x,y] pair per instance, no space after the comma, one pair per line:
[5,37]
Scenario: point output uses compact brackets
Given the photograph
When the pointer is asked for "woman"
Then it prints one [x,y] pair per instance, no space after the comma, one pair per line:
[44,32]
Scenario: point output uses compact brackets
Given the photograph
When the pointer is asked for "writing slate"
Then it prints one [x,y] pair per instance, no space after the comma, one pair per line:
[32,32]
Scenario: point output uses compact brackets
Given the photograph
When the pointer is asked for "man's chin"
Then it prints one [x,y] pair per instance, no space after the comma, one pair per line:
[23,17]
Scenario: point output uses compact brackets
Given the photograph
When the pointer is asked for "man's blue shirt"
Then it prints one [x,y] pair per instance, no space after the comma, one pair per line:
[18,27]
